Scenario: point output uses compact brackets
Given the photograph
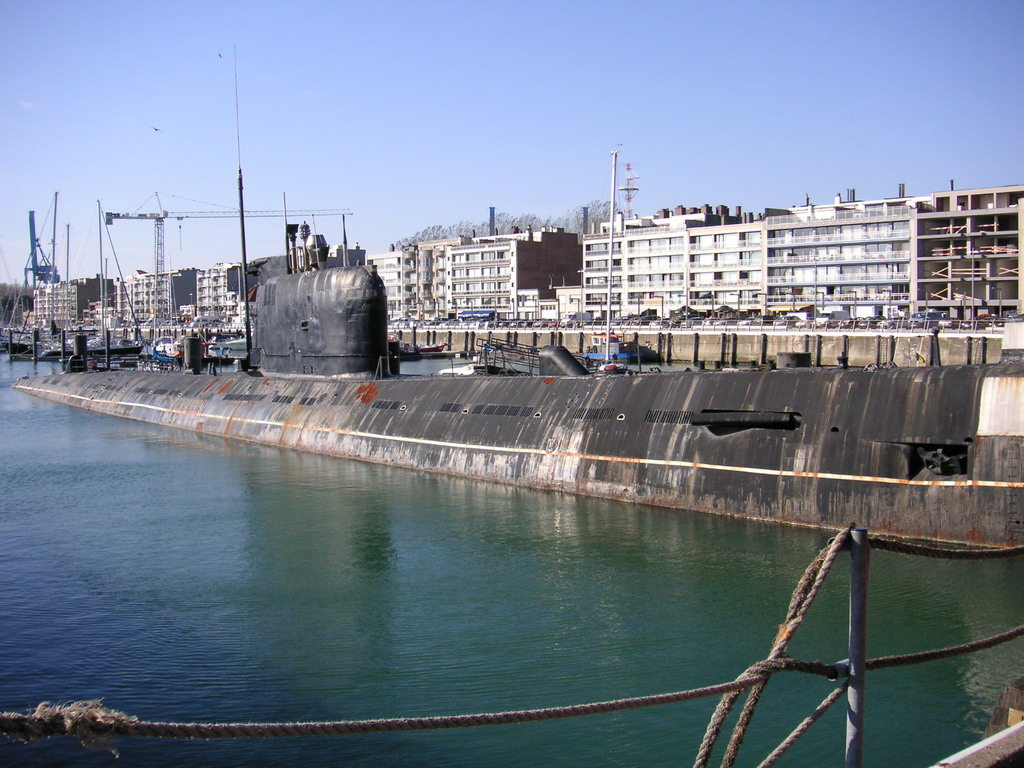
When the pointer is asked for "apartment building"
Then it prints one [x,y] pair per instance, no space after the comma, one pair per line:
[686,258]
[968,252]
[848,255]
[218,294]
[726,264]
[145,295]
[501,276]
[509,274]
[389,269]
[416,279]
[67,303]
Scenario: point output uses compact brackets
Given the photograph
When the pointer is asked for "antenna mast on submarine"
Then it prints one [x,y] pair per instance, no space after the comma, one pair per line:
[241,220]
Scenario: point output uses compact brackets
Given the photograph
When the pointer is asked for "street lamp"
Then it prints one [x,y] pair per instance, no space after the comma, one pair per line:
[814,308]
[582,274]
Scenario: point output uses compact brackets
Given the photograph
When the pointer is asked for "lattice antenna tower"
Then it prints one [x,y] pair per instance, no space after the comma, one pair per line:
[629,191]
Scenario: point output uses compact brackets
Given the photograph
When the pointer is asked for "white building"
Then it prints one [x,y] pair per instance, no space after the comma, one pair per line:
[502,276]
[219,293]
[852,255]
[695,258]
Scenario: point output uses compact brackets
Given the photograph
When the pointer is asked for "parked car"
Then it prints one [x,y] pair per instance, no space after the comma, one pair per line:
[758,321]
[929,318]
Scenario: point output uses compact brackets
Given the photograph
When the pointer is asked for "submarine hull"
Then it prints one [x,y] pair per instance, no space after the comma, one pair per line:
[933,453]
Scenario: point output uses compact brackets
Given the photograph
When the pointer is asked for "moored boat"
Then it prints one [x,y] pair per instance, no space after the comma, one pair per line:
[618,350]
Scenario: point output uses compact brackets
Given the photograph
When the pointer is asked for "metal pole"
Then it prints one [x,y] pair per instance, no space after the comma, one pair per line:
[247,362]
[611,253]
[582,284]
[860,554]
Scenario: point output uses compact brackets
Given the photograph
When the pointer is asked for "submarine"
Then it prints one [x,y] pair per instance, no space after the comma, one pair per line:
[929,453]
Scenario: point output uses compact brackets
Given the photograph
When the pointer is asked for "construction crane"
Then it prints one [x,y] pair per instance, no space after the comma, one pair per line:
[162,302]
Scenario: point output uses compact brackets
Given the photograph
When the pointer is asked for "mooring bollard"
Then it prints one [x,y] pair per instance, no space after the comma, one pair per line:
[192,347]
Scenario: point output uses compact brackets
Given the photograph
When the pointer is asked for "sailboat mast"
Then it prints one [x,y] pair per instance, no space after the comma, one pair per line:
[52,277]
[67,275]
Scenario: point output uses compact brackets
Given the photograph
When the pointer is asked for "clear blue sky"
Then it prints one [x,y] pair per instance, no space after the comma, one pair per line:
[411,114]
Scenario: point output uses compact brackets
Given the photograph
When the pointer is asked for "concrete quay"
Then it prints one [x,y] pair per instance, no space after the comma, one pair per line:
[742,348]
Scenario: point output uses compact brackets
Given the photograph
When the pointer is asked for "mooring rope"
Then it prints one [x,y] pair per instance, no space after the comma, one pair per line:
[923,550]
[906,659]
[804,726]
[96,726]
[800,602]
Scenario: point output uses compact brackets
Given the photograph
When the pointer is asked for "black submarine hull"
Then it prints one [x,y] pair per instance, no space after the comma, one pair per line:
[933,453]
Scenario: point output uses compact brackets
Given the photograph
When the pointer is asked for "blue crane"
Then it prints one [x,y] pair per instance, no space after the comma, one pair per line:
[40,266]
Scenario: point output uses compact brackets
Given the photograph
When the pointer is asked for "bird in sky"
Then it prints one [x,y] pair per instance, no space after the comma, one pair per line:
[155,129]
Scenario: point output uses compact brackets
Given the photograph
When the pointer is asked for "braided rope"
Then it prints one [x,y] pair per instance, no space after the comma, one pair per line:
[804,726]
[923,550]
[800,602]
[889,662]
[754,697]
[94,725]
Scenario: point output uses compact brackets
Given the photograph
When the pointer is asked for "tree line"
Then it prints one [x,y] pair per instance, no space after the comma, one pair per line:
[505,223]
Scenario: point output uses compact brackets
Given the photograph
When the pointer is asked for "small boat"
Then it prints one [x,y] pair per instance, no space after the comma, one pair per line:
[229,347]
[436,349]
[629,351]
[407,351]
[166,349]
[15,343]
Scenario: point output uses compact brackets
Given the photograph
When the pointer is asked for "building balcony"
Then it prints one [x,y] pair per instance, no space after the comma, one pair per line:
[726,284]
[894,213]
[497,295]
[862,277]
[838,237]
[705,247]
[649,285]
[844,298]
[796,259]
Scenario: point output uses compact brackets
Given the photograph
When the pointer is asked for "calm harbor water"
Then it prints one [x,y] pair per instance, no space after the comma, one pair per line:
[189,579]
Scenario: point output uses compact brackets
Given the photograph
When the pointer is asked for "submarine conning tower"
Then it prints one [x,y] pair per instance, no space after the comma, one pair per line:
[326,321]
